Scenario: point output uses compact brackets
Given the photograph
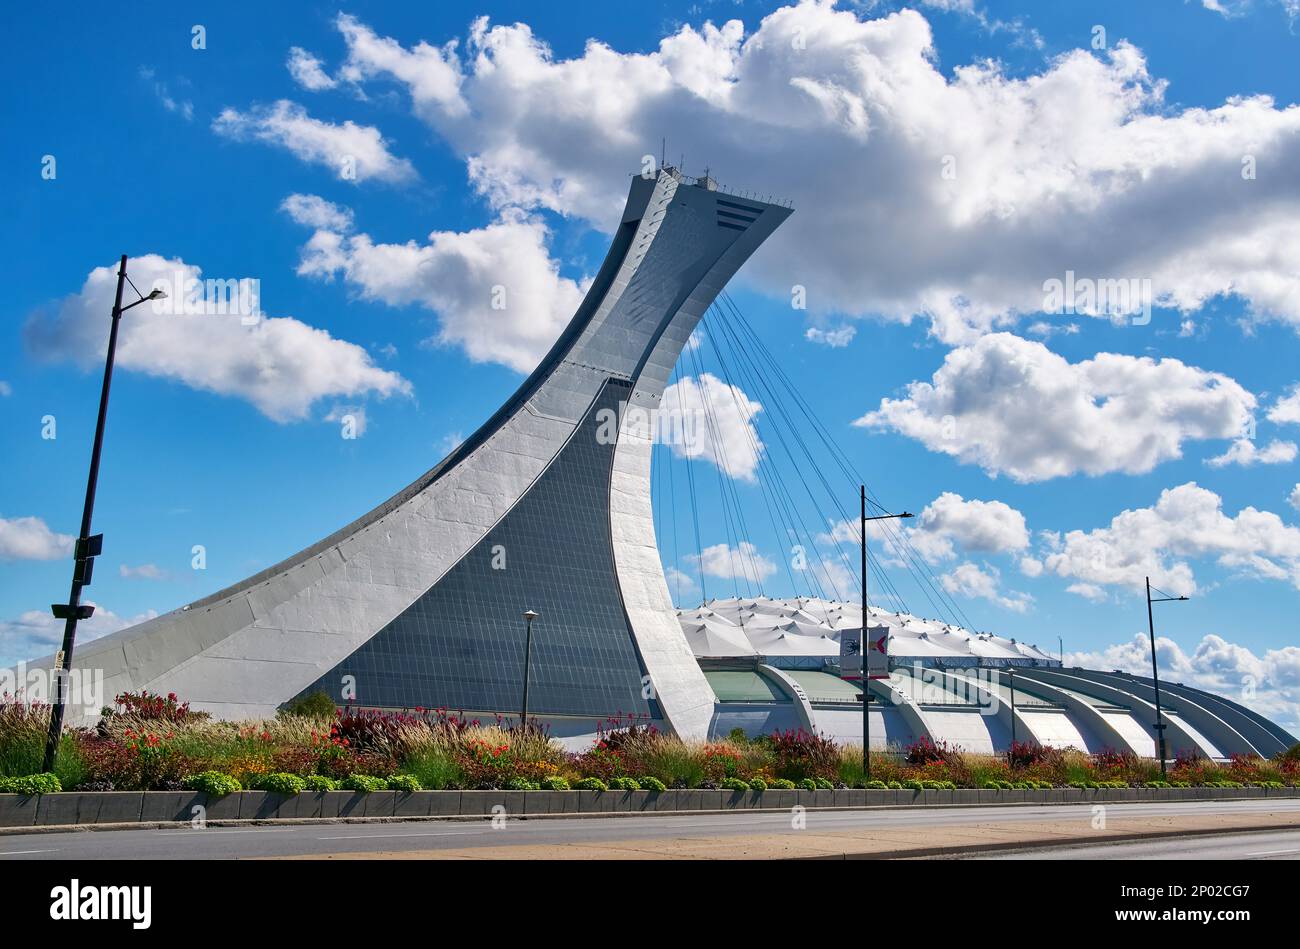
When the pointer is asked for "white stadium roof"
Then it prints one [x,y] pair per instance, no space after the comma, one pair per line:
[810,627]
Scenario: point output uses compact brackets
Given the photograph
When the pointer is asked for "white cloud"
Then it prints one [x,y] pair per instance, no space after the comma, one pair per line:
[740,562]
[354,152]
[681,585]
[145,571]
[988,526]
[306,70]
[36,633]
[1080,167]
[707,418]
[1294,498]
[29,538]
[279,364]
[1186,522]
[1089,591]
[1244,452]
[969,580]
[313,211]
[5,388]
[1286,410]
[1014,407]
[497,292]
[1031,567]
[836,338]
[1269,684]
[182,107]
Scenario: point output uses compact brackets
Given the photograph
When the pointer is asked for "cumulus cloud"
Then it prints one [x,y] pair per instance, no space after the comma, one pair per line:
[742,562]
[972,581]
[987,526]
[1294,498]
[1269,684]
[1244,452]
[36,633]
[704,417]
[1186,522]
[497,292]
[1014,407]
[836,338]
[1286,409]
[279,364]
[996,184]
[29,538]
[354,152]
[306,70]
[145,571]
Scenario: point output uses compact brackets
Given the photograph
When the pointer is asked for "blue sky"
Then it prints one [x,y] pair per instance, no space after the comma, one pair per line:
[1068,156]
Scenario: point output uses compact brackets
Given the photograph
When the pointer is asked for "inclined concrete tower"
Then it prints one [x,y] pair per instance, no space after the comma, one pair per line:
[546,507]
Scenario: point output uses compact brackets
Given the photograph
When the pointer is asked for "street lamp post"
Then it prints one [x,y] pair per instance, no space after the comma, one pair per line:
[1155,673]
[862,637]
[1011,678]
[529,616]
[88,546]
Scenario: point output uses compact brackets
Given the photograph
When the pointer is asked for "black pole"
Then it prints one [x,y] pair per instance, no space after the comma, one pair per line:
[1011,675]
[862,646]
[83,554]
[528,654]
[1155,678]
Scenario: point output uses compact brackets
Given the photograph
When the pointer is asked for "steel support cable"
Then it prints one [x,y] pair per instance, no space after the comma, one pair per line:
[785,501]
[921,573]
[901,543]
[719,462]
[881,574]
[695,513]
[765,490]
[712,411]
[784,498]
[782,414]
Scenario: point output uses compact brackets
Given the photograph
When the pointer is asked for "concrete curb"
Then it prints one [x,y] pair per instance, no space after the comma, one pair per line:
[117,809]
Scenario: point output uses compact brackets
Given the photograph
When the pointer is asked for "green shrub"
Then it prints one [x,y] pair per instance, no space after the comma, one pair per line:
[404,782]
[590,784]
[281,783]
[318,782]
[514,784]
[43,783]
[808,784]
[782,784]
[758,784]
[876,786]
[434,769]
[1157,784]
[824,785]
[734,784]
[557,783]
[214,783]
[737,736]
[624,784]
[317,705]
[364,783]
[649,783]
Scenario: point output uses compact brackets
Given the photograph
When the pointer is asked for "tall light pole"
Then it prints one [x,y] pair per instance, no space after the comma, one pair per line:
[88,547]
[1011,677]
[1155,672]
[529,616]
[862,638]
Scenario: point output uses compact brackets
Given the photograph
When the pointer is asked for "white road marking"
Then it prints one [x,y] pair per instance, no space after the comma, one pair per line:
[13,853]
[1271,853]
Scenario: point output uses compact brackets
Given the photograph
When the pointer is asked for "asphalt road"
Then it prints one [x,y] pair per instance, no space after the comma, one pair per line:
[1259,845]
[324,839]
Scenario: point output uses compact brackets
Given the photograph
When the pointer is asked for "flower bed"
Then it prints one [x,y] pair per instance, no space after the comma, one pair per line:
[150,742]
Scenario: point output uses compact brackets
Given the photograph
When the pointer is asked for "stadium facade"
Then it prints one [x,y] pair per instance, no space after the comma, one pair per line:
[547,507]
